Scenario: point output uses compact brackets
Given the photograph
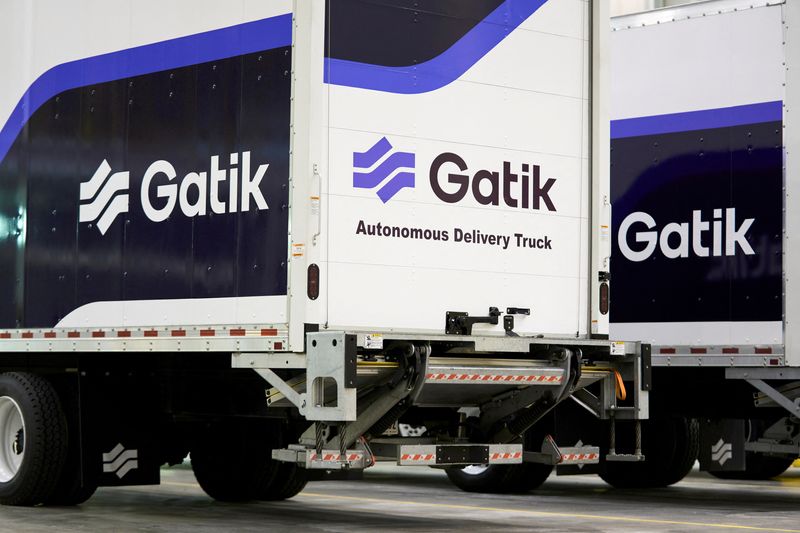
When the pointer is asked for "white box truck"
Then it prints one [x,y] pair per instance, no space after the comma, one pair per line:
[705,167]
[263,233]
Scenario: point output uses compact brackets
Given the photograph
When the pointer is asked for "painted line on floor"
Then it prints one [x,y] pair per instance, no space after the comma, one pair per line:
[179,484]
[550,514]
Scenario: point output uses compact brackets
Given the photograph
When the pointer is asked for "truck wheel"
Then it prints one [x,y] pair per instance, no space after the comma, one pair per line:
[33,440]
[229,459]
[482,478]
[670,446]
[71,489]
[289,480]
[499,479]
[280,481]
[74,486]
[233,462]
[507,479]
[759,467]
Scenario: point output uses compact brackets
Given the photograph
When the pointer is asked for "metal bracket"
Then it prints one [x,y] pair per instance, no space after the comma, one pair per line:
[324,460]
[551,454]
[780,438]
[776,396]
[458,454]
[762,446]
[776,373]
[332,359]
[330,363]
[624,458]
[589,401]
[460,323]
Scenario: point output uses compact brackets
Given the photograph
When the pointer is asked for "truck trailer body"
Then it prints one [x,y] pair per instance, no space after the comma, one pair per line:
[264,233]
[704,169]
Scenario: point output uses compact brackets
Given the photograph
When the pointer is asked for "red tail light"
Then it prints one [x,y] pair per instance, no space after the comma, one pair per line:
[313,281]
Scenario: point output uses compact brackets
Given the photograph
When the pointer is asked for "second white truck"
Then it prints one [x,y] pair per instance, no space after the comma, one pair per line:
[705,171]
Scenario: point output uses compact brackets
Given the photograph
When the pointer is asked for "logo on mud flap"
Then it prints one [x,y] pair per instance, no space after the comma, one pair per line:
[721,452]
[195,194]
[120,461]
[381,166]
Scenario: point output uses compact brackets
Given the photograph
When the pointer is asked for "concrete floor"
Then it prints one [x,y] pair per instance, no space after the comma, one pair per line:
[421,499]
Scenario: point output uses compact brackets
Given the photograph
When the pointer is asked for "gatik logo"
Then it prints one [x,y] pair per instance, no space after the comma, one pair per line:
[194,194]
[380,164]
[518,186]
[530,192]
[106,205]
[722,452]
[683,239]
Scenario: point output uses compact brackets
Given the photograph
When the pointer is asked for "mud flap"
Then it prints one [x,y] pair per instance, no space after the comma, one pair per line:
[119,426]
[722,445]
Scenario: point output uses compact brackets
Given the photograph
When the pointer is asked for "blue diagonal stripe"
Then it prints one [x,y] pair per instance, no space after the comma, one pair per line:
[369,180]
[442,69]
[393,186]
[366,159]
[251,37]
[698,120]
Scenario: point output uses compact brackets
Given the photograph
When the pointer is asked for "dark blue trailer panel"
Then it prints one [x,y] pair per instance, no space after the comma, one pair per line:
[210,221]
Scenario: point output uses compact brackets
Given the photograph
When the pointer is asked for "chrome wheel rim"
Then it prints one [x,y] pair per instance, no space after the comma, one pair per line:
[12,439]
[475,470]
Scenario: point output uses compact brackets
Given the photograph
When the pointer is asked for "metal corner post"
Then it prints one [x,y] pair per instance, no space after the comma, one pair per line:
[600,159]
[791,173]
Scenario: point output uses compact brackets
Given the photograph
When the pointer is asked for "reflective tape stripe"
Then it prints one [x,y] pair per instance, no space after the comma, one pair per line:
[494,378]
[417,457]
[579,457]
[497,456]
[335,457]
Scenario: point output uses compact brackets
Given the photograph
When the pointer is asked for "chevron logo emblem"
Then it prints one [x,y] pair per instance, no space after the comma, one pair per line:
[101,191]
[120,461]
[382,166]
[721,452]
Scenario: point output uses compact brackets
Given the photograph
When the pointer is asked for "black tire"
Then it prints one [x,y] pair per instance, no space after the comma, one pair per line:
[494,479]
[670,446]
[229,459]
[508,479]
[289,480]
[280,481]
[759,467]
[43,440]
[687,449]
[72,488]
[233,462]
[501,479]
